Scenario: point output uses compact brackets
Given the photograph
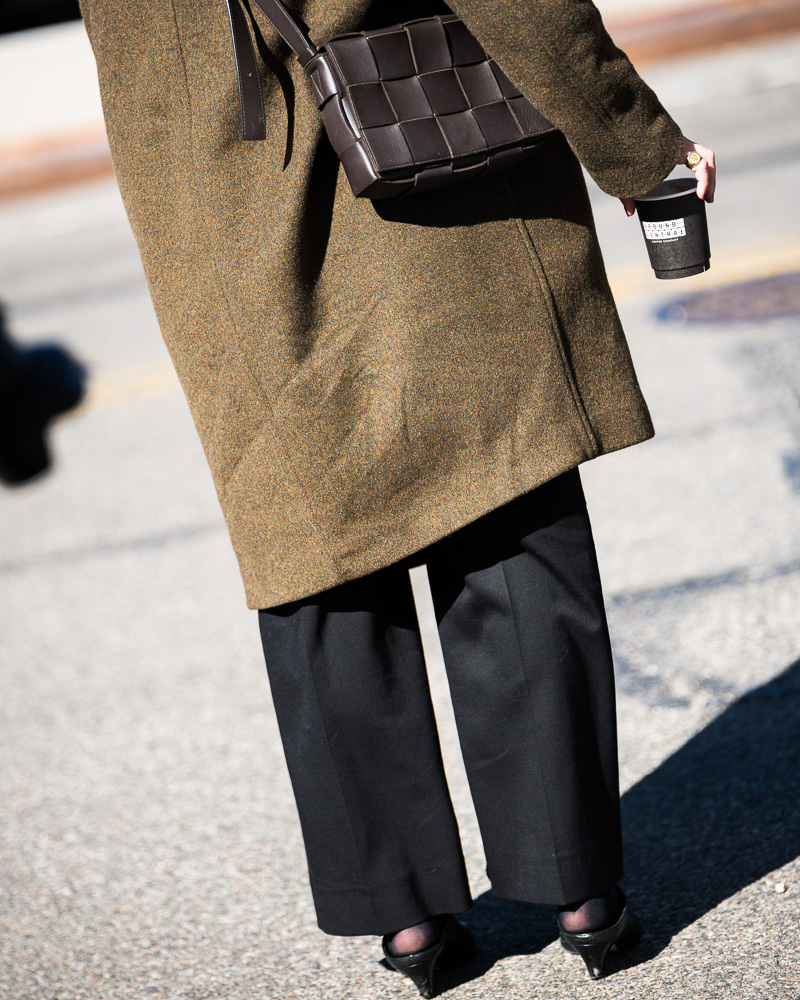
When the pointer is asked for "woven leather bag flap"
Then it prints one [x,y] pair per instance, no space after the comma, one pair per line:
[425,93]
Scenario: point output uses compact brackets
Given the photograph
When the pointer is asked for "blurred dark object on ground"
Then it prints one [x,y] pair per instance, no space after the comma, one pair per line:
[36,384]
[16,15]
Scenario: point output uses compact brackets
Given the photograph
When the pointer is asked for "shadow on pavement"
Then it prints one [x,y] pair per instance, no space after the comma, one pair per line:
[717,815]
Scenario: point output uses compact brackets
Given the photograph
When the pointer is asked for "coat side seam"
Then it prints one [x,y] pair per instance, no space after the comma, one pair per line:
[555,325]
[287,473]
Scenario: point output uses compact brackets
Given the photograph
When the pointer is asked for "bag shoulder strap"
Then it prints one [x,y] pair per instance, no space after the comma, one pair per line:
[289,30]
[251,102]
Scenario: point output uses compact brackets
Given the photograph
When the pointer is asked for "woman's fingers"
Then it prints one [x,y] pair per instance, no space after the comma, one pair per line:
[704,168]
[700,160]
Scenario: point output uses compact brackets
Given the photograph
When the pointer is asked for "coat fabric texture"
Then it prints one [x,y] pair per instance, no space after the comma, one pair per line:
[367,377]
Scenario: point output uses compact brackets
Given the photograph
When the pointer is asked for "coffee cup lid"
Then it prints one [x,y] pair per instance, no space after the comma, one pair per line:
[672,188]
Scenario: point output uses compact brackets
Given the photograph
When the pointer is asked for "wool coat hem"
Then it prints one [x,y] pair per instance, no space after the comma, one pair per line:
[424,523]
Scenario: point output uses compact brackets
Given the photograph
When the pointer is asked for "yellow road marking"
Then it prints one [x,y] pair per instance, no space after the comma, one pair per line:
[761,259]
[129,385]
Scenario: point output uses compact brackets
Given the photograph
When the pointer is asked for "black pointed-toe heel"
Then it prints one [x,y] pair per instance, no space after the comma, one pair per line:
[455,945]
[593,946]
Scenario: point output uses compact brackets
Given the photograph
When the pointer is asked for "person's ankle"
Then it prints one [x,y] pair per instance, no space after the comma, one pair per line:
[416,938]
[593,914]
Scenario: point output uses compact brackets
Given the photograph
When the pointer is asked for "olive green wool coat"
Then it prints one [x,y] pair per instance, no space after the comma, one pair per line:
[368,377]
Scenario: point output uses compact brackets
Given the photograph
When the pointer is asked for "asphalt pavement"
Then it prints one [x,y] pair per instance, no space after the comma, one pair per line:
[150,846]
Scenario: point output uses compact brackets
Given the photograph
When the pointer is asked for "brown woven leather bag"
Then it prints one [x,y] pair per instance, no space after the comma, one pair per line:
[409,108]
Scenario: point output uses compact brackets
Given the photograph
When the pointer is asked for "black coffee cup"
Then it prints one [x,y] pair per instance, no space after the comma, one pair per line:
[673,221]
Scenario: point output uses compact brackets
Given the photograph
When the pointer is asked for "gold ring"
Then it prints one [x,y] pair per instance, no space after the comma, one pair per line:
[693,159]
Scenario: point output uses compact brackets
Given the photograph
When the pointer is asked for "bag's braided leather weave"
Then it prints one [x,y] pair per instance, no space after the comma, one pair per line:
[409,108]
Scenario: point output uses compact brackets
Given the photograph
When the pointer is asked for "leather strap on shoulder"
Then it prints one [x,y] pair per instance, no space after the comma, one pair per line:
[251,101]
[289,30]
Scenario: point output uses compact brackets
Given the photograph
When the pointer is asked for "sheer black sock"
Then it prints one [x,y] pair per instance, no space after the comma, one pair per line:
[416,938]
[591,914]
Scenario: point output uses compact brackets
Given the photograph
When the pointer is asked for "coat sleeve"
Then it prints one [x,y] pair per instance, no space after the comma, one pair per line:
[559,54]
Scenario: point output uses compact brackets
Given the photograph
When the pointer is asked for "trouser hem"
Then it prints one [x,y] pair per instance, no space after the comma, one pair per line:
[567,880]
[391,906]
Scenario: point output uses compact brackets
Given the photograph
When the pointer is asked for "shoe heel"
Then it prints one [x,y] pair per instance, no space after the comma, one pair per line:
[593,955]
[454,946]
[593,946]
[419,968]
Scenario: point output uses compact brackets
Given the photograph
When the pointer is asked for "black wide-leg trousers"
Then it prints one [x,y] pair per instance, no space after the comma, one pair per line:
[520,612]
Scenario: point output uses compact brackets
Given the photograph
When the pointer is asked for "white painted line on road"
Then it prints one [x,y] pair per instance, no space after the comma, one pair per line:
[688,91]
[49,79]
[738,72]
[61,214]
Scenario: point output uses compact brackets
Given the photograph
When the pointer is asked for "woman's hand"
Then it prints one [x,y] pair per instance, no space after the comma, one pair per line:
[705,170]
